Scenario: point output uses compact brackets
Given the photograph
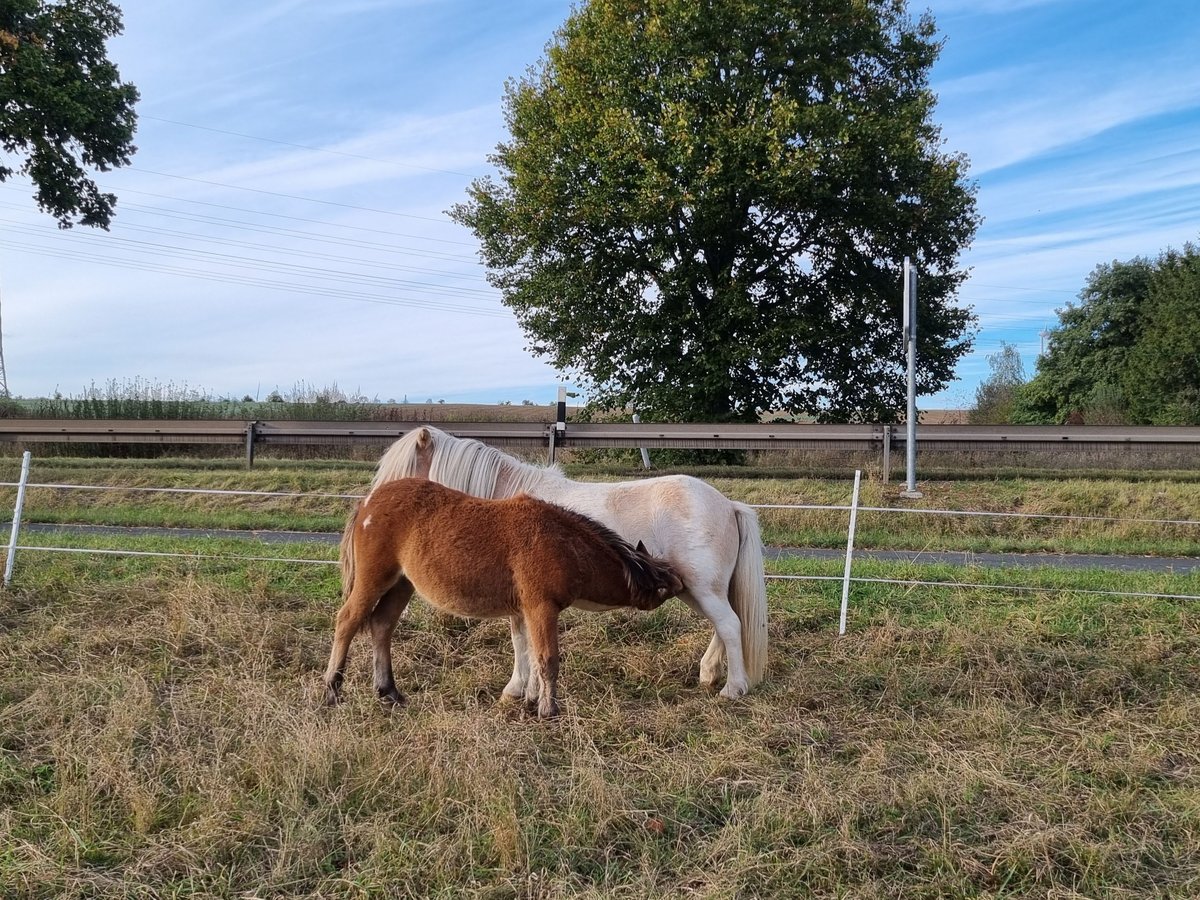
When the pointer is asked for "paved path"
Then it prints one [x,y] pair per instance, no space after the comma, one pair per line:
[1172,565]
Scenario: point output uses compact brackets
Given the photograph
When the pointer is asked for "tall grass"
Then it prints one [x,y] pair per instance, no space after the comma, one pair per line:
[139,398]
[162,737]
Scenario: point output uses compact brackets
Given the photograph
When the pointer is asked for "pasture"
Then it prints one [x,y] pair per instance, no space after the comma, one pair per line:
[163,733]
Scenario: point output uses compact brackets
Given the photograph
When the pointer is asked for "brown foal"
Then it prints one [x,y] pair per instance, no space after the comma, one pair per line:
[520,558]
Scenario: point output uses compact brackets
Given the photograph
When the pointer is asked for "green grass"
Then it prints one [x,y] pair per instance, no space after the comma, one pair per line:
[161,736]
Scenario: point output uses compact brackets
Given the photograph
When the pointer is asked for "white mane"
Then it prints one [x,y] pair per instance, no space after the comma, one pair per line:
[463,464]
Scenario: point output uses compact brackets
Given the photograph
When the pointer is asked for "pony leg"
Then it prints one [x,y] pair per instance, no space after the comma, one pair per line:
[383,625]
[349,621]
[516,689]
[726,642]
[542,625]
[711,662]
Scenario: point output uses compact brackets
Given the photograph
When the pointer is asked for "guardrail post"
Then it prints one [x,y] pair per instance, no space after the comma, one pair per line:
[645,453]
[251,427]
[887,453]
[550,435]
[849,553]
[16,522]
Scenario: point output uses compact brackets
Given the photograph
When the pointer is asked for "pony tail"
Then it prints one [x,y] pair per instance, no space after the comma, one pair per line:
[346,553]
[748,593]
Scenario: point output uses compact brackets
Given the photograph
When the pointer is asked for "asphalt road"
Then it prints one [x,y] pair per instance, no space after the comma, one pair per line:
[1172,565]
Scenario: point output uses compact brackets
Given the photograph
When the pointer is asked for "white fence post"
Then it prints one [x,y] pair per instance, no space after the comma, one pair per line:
[849,553]
[16,522]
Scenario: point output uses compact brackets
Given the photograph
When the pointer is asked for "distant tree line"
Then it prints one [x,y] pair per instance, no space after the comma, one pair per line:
[1127,353]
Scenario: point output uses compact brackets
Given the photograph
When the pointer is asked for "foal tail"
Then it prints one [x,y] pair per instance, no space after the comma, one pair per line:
[346,553]
[748,593]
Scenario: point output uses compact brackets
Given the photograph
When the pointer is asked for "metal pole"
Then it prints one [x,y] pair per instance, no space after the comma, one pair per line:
[16,522]
[849,553]
[910,339]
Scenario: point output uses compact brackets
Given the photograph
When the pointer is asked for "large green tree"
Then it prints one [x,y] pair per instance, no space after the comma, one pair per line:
[1129,351]
[1162,380]
[63,107]
[703,206]
[1088,352]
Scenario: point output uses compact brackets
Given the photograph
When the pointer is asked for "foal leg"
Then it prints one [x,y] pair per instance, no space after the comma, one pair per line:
[516,689]
[541,622]
[383,625]
[349,621]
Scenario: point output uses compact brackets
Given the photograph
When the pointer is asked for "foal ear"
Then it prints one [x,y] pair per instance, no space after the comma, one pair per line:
[423,438]
[641,548]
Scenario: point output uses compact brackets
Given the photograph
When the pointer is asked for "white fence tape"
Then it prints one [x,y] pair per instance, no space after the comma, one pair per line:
[845,579]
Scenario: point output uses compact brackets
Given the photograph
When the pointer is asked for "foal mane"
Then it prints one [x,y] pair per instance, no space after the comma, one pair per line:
[643,574]
[460,463]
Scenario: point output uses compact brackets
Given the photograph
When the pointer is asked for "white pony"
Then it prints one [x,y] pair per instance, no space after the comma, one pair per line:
[712,542]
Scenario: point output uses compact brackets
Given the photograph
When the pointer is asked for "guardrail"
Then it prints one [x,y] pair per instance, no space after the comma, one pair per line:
[867,439]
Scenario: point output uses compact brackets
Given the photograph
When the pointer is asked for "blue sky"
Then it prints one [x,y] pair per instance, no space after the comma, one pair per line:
[283,221]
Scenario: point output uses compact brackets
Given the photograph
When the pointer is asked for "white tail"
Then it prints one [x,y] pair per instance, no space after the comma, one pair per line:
[748,594]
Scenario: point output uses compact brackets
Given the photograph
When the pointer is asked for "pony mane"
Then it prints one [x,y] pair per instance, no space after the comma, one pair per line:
[460,463]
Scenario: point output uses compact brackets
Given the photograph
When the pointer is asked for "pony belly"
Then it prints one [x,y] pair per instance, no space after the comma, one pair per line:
[469,606]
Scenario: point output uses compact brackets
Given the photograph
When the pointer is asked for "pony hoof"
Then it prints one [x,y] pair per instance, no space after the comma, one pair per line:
[548,711]
[332,697]
[391,699]
[733,692]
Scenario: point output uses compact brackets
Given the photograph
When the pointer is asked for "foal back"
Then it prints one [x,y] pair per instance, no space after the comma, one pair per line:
[489,558]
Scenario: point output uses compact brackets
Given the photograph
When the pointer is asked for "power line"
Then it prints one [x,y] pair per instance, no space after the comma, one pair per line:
[268,140]
[237,187]
[243,281]
[112,239]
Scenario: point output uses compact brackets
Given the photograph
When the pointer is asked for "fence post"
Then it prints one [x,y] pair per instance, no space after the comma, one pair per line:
[16,522]
[849,553]
[910,342]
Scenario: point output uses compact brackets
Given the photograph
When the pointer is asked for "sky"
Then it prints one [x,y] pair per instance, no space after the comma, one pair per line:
[282,225]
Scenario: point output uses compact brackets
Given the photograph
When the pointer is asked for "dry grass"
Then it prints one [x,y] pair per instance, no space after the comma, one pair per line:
[162,737]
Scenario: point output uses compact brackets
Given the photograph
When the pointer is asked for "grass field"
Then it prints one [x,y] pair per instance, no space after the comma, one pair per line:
[161,733]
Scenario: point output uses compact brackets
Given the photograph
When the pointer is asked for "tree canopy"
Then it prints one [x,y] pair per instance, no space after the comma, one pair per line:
[703,207]
[996,394]
[1129,351]
[63,108]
